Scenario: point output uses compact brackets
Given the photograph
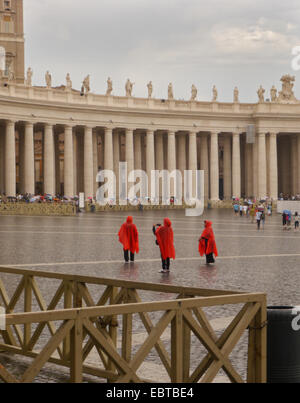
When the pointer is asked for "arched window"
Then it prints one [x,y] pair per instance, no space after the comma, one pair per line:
[2,58]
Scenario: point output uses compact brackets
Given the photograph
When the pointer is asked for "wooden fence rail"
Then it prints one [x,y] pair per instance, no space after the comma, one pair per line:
[75,324]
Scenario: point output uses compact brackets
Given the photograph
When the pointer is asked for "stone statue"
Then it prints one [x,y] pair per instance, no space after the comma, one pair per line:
[69,83]
[150,89]
[286,95]
[236,95]
[29,77]
[109,86]
[261,94]
[194,93]
[86,84]
[128,88]
[273,94]
[48,79]
[170,91]
[215,94]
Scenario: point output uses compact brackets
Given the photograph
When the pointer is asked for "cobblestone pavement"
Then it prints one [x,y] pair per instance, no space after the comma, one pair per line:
[250,260]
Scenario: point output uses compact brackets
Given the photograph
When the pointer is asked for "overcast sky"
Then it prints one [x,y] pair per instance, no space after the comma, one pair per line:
[228,43]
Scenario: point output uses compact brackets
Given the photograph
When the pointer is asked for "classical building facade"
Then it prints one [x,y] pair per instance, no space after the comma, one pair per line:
[55,140]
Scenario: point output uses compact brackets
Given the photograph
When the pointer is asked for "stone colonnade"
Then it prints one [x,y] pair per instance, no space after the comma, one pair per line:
[231,166]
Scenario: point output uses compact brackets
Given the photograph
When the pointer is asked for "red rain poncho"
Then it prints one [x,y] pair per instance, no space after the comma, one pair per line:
[165,239]
[128,236]
[211,244]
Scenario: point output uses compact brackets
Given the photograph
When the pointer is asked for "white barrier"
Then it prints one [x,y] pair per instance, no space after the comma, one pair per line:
[288,205]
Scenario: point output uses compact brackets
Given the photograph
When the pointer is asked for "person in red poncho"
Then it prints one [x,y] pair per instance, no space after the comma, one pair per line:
[207,243]
[129,238]
[165,240]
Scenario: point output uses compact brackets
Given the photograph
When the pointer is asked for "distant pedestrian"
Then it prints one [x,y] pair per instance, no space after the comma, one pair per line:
[236,208]
[207,243]
[129,238]
[165,239]
[258,219]
[284,215]
[252,213]
[296,221]
[262,219]
[241,210]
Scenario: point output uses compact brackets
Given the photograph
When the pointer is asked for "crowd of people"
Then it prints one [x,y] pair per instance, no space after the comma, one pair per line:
[164,239]
[254,209]
[43,198]
[285,196]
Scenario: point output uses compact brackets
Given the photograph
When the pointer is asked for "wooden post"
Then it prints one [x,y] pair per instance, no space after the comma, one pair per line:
[177,348]
[113,327]
[27,308]
[127,333]
[76,352]
[68,294]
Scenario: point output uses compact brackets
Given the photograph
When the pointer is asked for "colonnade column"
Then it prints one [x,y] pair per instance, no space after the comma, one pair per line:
[227,174]
[150,158]
[29,181]
[193,161]
[273,167]
[204,164]
[129,153]
[10,159]
[171,158]
[88,162]
[236,165]
[182,156]
[69,162]
[108,150]
[262,166]
[49,163]
[116,148]
[214,166]
[298,163]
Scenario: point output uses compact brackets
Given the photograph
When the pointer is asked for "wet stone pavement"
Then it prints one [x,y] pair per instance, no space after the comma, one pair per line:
[250,260]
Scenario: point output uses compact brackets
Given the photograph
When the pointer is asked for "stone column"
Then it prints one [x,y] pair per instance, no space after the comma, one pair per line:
[49,167]
[88,162]
[182,157]
[294,161]
[171,158]
[137,151]
[129,153]
[255,167]
[262,166]
[10,159]
[193,160]
[227,168]
[2,160]
[116,147]
[57,164]
[298,164]
[273,167]
[204,163]
[214,166]
[29,181]
[150,157]
[236,165]
[69,162]
[108,150]
[95,161]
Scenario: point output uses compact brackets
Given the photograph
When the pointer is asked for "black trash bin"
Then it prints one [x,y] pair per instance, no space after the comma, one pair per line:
[283,348]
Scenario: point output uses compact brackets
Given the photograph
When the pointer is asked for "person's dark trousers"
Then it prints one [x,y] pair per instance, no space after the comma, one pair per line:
[258,224]
[126,256]
[166,264]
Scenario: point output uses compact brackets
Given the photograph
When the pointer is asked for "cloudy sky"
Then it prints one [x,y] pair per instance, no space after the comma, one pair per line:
[228,43]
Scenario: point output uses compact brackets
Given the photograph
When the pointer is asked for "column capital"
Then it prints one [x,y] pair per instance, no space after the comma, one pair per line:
[28,123]
[236,133]
[214,132]
[11,122]
[261,134]
[171,132]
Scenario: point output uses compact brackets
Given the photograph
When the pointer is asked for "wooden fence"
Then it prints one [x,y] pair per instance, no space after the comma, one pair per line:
[65,330]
